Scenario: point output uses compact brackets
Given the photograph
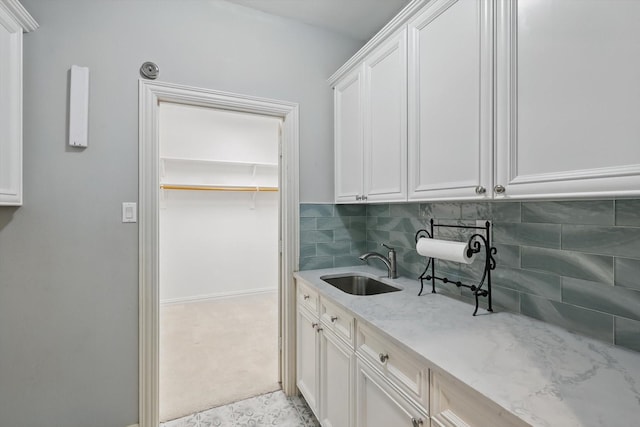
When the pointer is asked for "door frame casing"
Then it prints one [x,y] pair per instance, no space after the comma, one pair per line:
[151,93]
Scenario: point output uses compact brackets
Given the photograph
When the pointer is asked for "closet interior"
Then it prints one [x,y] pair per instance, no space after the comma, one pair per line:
[219,278]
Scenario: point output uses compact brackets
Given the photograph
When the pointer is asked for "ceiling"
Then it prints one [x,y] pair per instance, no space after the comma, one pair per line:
[359,19]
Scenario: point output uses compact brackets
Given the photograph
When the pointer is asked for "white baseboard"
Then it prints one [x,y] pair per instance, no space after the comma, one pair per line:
[220,295]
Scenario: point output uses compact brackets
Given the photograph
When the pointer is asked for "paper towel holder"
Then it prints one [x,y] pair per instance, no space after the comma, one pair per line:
[476,243]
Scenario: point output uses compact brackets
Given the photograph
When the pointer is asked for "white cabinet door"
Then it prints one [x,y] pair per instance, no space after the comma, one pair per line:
[307,366]
[568,94]
[379,405]
[336,368]
[385,121]
[451,100]
[13,21]
[348,138]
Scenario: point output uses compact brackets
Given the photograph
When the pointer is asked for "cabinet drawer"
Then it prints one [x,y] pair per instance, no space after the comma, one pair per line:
[307,297]
[337,320]
[400,368]
[455,405]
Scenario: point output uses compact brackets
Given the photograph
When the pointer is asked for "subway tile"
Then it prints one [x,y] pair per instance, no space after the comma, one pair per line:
[406,210]
[571,264]
[377,236]
[597,296]
[359,222]
[442,210]
[358,248]
[539,235]
[308,250]
[334,248]
[598,212]
[425,211]
[331,223]
[530,282]
[409,225]
[315,210]
[627,273]
[576,319]
[378,210]
[400,239]
[307,223]
[505,298]
[507,255]
[316,236]
[628,212]
[494,211]
[346,261]
[616,241]
[351,210]
[352,234]
[505,212]
[314,263]
[627,333]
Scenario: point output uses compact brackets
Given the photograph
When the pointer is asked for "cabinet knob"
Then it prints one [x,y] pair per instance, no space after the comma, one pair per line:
[416,423]
[358,197]
[314,325]
[383,357]
[480,189]
[318,330]
[306,297]
[334,318]
[499,189]
[364,197]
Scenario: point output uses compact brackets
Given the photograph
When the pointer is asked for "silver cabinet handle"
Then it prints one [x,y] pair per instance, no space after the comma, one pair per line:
[364,197]
[416,423]
[334,318]
[314,325]
[499,189]
[383,357]
[318,330]
[480,189]
[358,197]
[306,297]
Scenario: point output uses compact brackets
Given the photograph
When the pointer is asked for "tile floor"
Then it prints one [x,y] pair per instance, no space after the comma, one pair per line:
[272,409]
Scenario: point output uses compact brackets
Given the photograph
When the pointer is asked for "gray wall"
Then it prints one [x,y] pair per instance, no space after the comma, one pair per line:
[68,266]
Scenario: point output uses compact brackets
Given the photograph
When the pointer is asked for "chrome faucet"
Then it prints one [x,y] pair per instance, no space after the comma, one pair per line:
[389,261]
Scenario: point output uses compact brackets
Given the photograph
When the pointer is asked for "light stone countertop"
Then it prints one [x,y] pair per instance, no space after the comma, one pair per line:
[541,373]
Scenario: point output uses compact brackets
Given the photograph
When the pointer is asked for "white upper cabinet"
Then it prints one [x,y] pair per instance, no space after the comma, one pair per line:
[385,121]
[14,20]
[568,98]
[450,101]
[371,127]
[348,137]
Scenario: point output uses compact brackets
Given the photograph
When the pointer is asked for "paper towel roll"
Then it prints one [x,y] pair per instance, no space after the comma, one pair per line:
[444,249]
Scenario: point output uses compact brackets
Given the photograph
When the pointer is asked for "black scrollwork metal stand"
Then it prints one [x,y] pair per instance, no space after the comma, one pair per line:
[475,244]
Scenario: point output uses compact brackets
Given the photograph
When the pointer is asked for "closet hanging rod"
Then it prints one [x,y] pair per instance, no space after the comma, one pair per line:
[256,189]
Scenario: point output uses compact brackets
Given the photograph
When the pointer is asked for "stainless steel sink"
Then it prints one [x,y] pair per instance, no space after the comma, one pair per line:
[359,285]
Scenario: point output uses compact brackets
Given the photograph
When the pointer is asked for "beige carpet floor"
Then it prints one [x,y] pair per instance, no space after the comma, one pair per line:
[216,352]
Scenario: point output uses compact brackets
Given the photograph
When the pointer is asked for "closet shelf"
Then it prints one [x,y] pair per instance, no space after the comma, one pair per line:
[218,162]
[255,189]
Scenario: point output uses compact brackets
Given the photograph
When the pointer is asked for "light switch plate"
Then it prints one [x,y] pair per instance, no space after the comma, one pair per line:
[129,212]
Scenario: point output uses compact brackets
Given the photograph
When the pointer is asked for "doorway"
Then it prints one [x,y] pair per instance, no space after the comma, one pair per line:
[219,215]
[152,95]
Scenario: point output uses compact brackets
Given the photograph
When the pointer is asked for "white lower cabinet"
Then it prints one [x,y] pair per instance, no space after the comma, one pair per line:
[325,362]
[381,405]
[336,384]
[307,361]
[352,375]
[455,405]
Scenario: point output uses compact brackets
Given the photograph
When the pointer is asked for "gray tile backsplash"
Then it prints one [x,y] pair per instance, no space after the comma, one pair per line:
[571,263]
[331,234]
